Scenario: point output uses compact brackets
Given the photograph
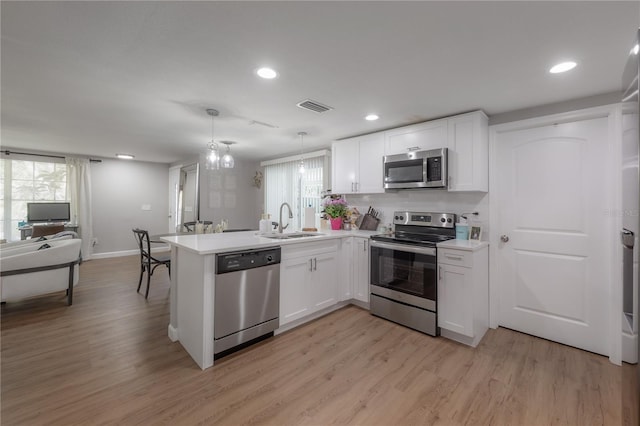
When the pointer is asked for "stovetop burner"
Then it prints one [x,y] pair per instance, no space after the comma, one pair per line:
[421,228]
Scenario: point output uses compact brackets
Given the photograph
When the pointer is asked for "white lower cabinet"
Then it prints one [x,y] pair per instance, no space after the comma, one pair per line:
[308,279]
[324,280]
[463,294]
[454,301]
[361,269]
[346,269]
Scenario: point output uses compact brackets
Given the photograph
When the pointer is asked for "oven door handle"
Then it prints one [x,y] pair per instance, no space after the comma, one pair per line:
[429,251]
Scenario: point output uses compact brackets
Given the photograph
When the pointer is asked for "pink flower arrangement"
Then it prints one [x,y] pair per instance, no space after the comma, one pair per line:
[335,207]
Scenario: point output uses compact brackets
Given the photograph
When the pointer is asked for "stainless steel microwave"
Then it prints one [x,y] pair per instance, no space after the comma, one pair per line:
[417,169]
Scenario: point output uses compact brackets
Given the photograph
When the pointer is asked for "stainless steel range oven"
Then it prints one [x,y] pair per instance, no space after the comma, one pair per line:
[404,279]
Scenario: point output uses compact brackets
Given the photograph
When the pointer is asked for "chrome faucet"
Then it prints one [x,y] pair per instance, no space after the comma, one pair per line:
[280,227]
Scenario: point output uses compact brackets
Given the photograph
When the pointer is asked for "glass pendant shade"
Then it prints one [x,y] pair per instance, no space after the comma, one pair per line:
[213,157]
[301,169]
[213,150]
[227,159]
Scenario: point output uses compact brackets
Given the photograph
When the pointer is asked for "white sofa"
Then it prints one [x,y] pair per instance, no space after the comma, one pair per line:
[33,269]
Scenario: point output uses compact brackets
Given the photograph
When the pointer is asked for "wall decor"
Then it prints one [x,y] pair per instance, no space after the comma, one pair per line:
[257,179]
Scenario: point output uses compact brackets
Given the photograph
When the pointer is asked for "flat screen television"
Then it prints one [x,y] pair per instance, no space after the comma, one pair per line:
[48,212]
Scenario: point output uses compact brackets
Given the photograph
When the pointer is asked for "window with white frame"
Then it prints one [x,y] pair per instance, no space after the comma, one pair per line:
[284,183]
[23,182]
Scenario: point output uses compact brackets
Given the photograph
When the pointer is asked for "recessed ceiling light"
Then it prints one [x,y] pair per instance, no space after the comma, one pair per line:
[125,156]
[267,73]
[371,117]
[562,67]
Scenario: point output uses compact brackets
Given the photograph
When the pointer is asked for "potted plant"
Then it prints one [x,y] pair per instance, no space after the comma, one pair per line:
[336,210]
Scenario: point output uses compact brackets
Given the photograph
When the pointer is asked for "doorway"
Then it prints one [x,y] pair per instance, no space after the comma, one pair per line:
[550,247]
[189,195]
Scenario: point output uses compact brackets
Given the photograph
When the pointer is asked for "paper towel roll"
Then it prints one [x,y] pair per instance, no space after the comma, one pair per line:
[309,217]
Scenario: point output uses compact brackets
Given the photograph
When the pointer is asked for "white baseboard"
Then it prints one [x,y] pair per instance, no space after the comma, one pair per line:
[173,333]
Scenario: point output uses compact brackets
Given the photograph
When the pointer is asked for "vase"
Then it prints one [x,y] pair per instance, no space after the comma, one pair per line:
[336,223]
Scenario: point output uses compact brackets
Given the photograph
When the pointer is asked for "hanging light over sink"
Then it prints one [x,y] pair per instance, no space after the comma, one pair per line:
[301,169]
[213,149]
[227,159]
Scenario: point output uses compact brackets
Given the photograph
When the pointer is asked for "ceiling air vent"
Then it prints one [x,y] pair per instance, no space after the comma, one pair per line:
[313,106]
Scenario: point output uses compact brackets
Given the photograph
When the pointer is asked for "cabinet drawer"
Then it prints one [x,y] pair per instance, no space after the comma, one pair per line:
[306,249]
[455,257]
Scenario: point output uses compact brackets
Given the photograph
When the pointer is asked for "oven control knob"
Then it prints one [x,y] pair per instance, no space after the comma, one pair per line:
[269,258]
[448,220]
[401,217]
[443,220]
[397,217]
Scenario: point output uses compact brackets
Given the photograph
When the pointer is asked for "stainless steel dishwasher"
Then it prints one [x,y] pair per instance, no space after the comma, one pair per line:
[247,298]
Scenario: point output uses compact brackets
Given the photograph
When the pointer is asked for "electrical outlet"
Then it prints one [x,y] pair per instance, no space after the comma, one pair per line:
[94,242]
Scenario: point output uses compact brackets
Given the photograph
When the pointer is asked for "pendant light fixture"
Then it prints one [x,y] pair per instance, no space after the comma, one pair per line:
[227,160]
[301,167]
[213,150]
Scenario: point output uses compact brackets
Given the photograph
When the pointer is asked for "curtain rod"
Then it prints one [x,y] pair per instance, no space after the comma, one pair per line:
[7,152]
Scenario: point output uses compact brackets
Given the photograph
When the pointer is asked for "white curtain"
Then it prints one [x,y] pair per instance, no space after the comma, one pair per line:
[79,188]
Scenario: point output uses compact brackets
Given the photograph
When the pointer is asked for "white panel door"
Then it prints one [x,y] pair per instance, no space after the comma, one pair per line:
[552,272]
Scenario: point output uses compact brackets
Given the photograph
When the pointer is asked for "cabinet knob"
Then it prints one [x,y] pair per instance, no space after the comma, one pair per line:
[504,238]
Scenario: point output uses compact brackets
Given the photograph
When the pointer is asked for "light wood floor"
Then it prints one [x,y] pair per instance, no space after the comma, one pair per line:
[107,360]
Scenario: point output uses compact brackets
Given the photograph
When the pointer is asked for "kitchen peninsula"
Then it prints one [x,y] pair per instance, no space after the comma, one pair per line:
[193,259]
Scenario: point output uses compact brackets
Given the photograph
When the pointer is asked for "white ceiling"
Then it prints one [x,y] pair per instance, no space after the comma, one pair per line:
[96,78]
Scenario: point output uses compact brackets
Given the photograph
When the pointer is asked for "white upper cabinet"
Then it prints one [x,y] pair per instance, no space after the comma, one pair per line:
[416,137]
[357,165]
[357,162]
[469,152]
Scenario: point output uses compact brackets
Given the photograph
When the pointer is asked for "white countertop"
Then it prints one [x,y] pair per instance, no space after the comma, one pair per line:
[468,245]
[231,241]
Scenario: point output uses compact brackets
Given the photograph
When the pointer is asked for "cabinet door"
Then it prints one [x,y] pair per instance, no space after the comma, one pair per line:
[455,295]
[344,170]
[361,269]
[371,151]
[417,137]
[294,289]
[324,281]
[345,291]
[469,152]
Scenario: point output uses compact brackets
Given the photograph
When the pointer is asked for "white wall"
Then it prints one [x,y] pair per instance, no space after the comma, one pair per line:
[119,190]
[426,200]
[230,194]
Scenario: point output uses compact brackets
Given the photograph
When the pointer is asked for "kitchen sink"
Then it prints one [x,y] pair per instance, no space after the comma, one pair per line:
[292,235]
